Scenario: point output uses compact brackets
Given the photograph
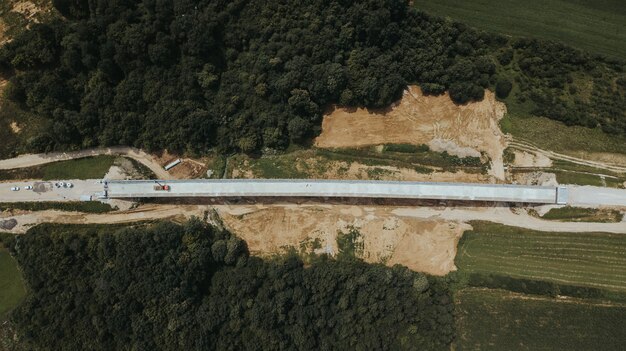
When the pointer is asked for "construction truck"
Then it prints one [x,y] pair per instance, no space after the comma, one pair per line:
[161,187]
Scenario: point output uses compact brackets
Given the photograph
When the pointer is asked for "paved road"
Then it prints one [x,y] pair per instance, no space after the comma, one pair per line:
[46,191]
[594,196]
[580,196]
[333,188]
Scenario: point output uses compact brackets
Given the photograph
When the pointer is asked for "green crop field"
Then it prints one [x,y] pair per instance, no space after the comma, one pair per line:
[501,320]
[12,288]
[598,26]
[594,260]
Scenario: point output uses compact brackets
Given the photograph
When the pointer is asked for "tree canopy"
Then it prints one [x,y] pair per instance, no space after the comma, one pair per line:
[195,287]
[245,75]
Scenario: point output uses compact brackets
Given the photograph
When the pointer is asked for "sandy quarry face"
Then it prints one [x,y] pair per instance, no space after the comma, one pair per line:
[422,245]
[463,130]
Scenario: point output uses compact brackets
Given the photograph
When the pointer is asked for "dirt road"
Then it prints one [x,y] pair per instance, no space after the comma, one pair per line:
[506,216]
[526,146]
[30,160]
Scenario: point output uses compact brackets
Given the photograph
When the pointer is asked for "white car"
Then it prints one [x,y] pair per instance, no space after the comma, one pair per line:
[69,185]
[62,184]
[28,187]
[15,188]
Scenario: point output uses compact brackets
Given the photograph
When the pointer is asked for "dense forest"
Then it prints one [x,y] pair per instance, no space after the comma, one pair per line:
[195,287]
[241,75]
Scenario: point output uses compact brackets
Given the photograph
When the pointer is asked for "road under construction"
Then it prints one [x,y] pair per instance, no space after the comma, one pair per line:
[120,189]
[98,189]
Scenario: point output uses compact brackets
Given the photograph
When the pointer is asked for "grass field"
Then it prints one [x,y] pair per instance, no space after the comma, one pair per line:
[309,163]
[555,136]
[594,260]
[577,214]
[598,26]
[12,288]
[501,320]
[83,168]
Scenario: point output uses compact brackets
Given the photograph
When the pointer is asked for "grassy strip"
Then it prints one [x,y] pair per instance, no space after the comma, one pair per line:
[577,214]
[406,148]
[12,288]
[501,320]
[593,260]
[316,162]
[83,206]
[596,26]
[82,168]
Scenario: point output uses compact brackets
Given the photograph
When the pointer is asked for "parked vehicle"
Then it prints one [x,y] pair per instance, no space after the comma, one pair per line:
[15,188]
[69,185]
[28,187]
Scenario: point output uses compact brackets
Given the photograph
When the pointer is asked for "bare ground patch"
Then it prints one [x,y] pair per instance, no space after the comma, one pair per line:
[15,128]
[27,8]
[531,159]
[419,119]
[420,244]
[189,168]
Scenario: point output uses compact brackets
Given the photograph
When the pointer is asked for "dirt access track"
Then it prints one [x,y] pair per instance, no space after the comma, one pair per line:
[462,130]
[30,160]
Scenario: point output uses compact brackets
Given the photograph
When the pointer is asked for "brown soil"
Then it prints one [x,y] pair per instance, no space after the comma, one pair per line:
[419,119]
[534,178]
[420,244]
[531,159]
[187,169]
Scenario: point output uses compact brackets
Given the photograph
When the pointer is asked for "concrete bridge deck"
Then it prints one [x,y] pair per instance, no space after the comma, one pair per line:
[336,188]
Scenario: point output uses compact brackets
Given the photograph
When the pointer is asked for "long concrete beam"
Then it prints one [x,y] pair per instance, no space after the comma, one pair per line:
[336,188]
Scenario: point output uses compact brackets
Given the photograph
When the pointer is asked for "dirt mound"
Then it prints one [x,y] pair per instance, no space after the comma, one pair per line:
[419,119]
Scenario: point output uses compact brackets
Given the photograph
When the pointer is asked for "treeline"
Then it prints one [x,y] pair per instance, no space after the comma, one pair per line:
[537,287]
[195,287]
[244,75]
